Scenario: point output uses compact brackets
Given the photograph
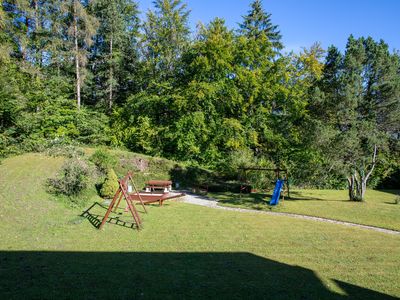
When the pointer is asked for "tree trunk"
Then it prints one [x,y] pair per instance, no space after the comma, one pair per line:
[36,5]
[77,70]
[110,98]
[357,182]
[350,181]
[39,55]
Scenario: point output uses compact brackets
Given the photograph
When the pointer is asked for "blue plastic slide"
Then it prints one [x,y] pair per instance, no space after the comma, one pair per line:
[277,192]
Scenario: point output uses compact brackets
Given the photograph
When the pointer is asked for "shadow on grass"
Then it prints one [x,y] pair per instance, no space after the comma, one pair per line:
[146,275]
[114,218]
[253,200]
[393,192]
[257,200]
[392,203]
[95,213]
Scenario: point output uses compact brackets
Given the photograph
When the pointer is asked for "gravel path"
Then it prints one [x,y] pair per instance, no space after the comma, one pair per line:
[209,202]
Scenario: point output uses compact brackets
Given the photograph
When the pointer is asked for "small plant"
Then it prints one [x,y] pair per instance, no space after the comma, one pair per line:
[110,184]
[72,179]
[103,160]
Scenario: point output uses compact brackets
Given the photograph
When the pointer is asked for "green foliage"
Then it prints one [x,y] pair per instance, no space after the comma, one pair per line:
[103,159]
[72,179]
[68,151]
[355,103]
[166,37]
[258,22]
[116,58]
[155,90]
[110,185]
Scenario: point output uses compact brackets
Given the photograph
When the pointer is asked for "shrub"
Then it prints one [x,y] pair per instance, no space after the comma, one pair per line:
[103,160]
[110,184]
[72,179]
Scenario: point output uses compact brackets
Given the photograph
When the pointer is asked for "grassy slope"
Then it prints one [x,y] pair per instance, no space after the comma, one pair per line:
[47,251]
[378,209]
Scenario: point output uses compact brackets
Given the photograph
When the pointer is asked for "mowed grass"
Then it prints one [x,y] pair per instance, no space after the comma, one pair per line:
[378,209]
[184,251]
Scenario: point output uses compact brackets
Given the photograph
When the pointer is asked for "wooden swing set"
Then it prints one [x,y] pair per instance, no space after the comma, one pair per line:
[125,191]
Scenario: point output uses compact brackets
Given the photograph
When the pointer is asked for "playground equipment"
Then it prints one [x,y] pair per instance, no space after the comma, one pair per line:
[277,192]
[125,191]
[279,183]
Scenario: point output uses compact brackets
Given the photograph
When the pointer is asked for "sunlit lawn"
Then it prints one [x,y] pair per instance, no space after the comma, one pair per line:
[184,251]
[379,209]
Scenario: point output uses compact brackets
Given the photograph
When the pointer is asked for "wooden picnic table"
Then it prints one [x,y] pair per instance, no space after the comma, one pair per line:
[165,185]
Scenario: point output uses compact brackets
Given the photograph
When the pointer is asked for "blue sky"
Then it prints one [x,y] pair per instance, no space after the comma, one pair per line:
[303,22]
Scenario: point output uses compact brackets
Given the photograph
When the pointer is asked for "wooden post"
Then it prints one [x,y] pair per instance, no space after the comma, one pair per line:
[118,202]
[122,192]
[131,206]
[130,176]
[110,207]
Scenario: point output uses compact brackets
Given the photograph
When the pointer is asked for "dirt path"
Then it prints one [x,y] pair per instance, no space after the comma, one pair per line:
[208,202]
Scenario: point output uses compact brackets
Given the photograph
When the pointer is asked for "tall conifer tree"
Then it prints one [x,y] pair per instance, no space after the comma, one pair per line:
[258,21]
[115,49]
[81,28]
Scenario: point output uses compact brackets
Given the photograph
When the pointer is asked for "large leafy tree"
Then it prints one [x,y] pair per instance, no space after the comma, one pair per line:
[356,107]
[166,36]
[210,97]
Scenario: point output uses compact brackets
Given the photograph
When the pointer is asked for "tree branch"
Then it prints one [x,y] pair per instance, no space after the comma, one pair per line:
[373,164]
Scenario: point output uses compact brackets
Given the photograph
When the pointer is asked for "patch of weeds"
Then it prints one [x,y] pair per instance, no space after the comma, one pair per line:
[68,151]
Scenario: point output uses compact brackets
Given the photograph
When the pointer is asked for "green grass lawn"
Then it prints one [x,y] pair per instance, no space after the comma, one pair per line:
[184,251]
[379,209]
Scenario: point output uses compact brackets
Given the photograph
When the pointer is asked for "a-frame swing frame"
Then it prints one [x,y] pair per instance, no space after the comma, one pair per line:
[123,192]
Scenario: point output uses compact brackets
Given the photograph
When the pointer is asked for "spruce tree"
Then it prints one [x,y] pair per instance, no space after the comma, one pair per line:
[114,53]
[110,185]
[258,21]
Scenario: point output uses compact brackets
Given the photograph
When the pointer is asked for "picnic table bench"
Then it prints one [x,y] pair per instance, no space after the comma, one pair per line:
[152,185]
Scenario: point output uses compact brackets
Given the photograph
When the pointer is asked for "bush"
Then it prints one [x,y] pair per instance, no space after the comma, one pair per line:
[72,179]
[110,184]
[103,160]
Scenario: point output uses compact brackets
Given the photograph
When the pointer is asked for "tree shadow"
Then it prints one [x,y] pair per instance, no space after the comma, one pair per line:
[298,196]
[393,192]
[257,200]
[254,200]
[146,275]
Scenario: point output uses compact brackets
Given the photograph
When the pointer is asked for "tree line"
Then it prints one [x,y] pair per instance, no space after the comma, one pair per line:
[94,72]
